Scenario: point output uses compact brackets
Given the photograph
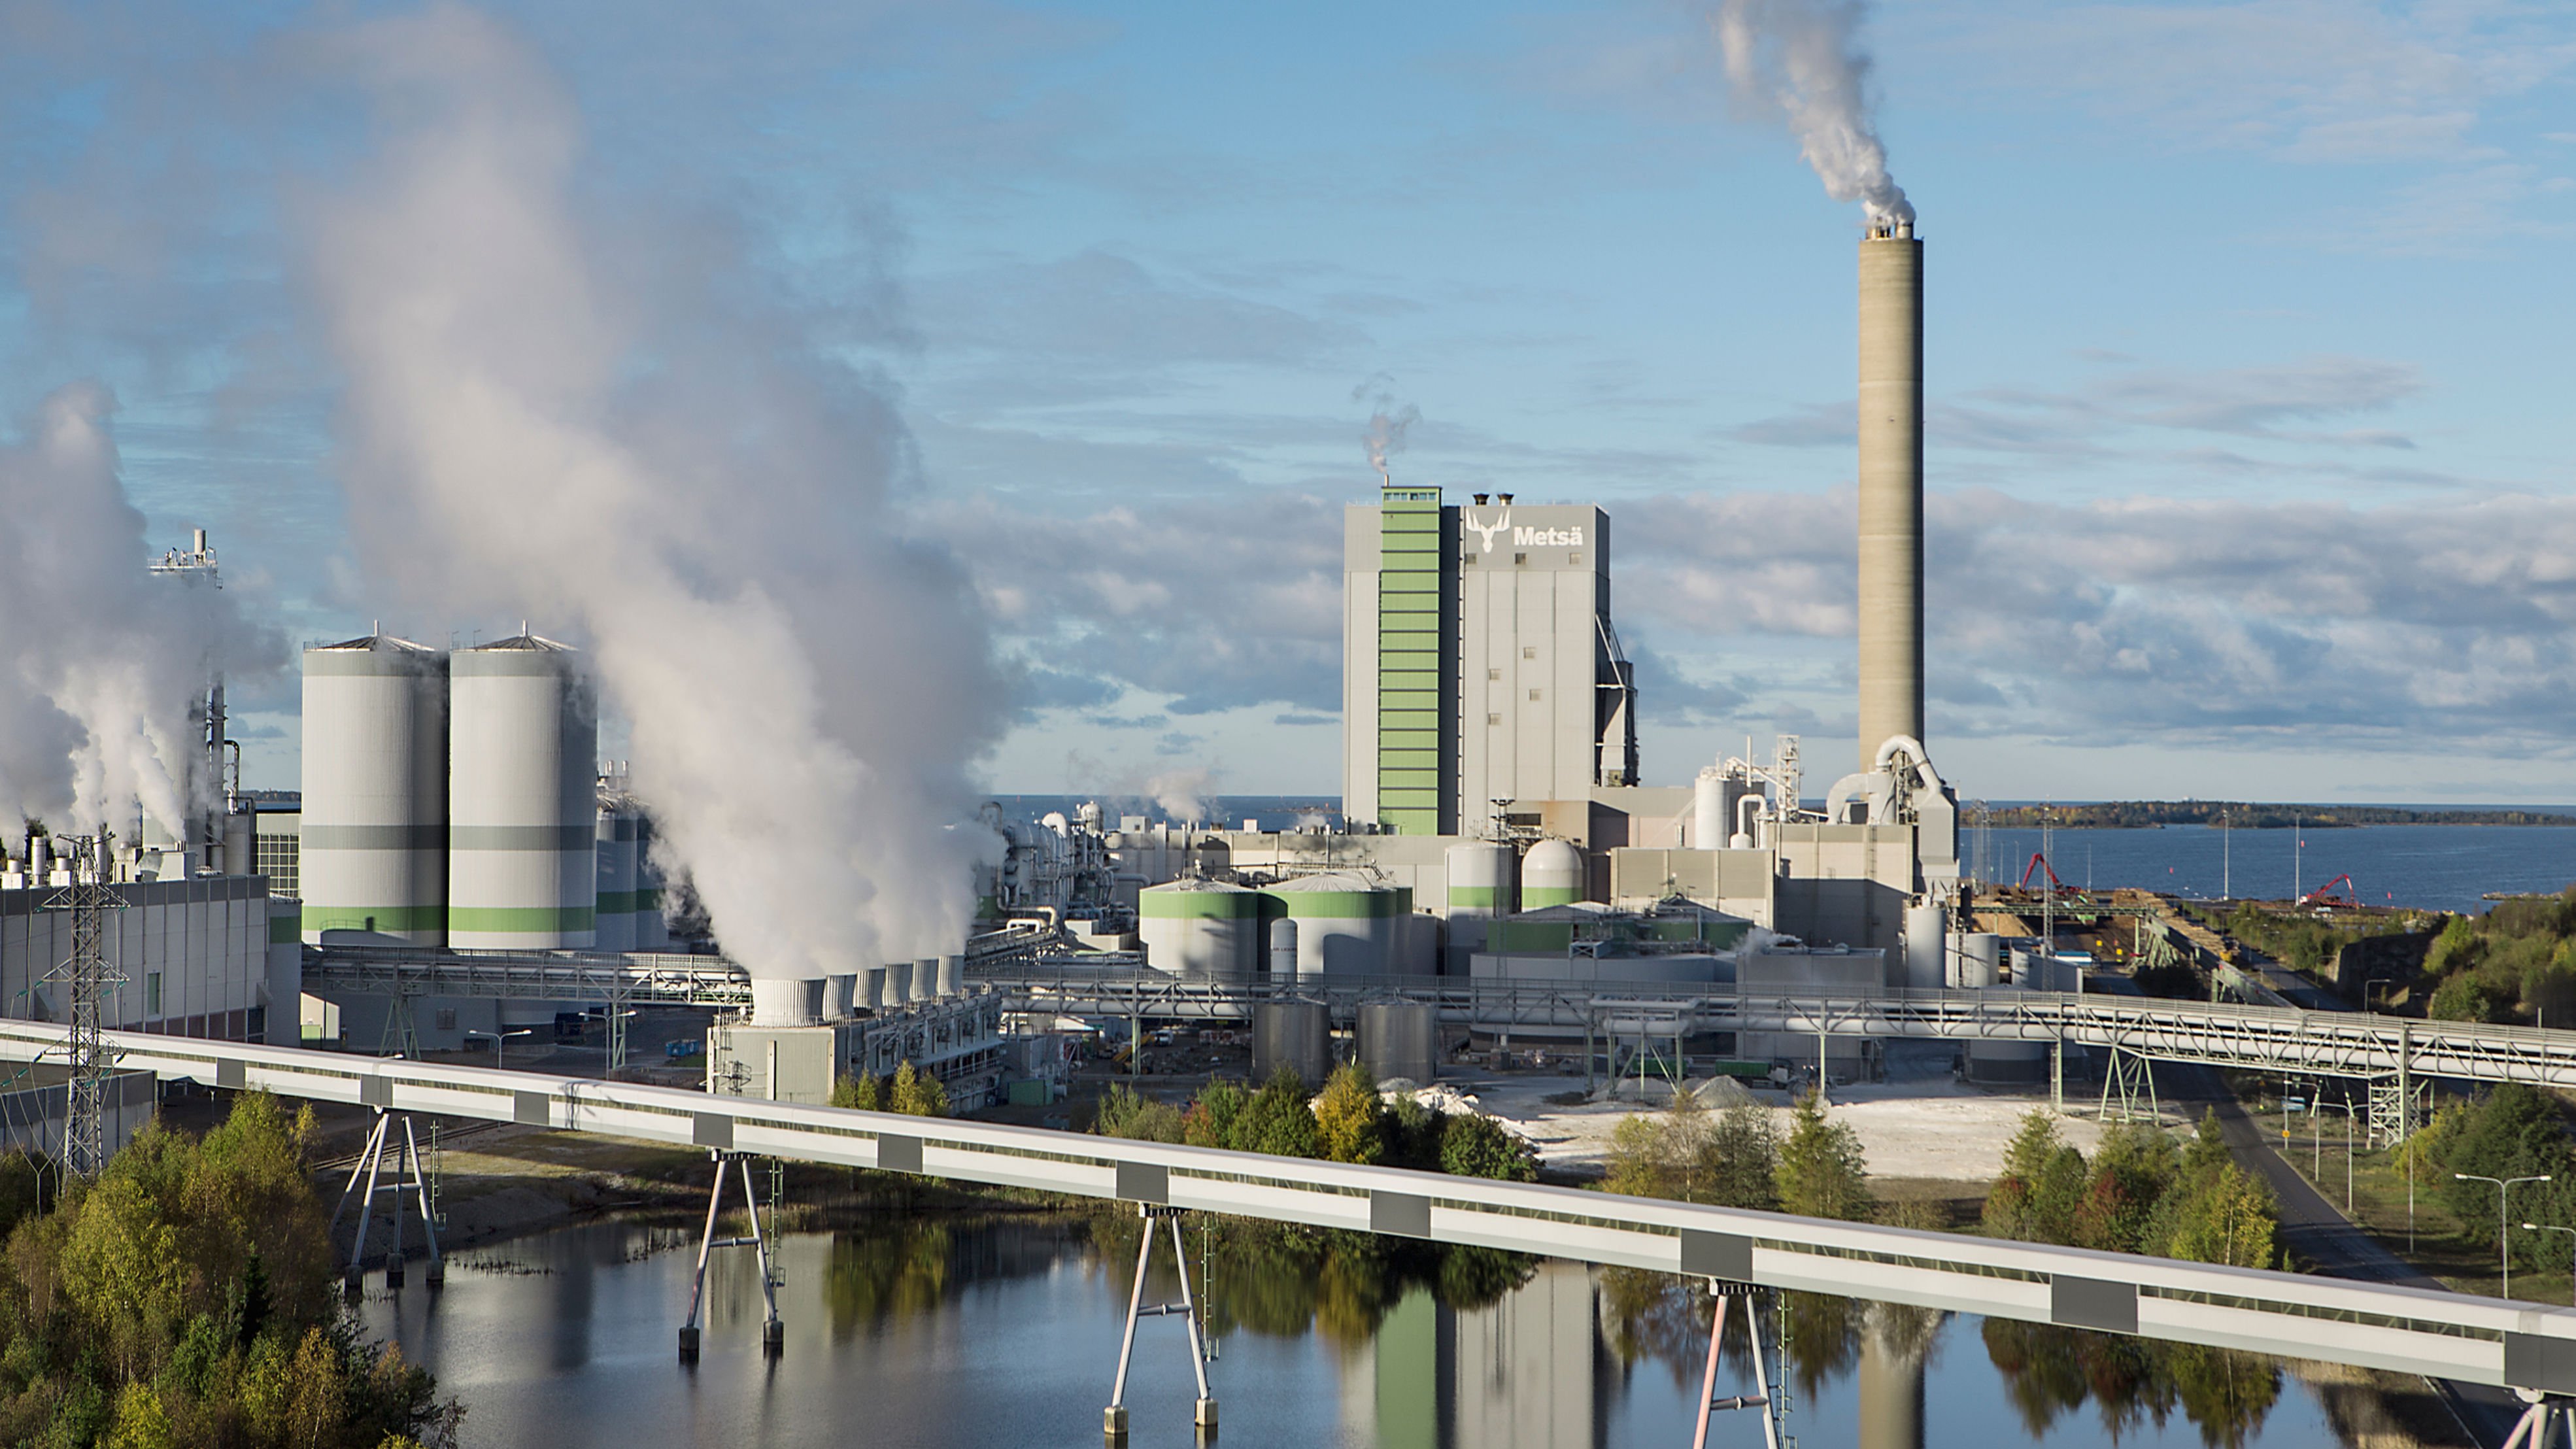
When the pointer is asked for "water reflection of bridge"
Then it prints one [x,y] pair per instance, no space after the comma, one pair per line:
[2374,1325]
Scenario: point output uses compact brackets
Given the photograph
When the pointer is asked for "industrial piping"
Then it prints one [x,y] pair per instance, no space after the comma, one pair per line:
[1891,486]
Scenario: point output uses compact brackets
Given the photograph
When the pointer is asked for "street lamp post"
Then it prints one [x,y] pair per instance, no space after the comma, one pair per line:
[2504,1246]
[2548,1228]
[498,1037]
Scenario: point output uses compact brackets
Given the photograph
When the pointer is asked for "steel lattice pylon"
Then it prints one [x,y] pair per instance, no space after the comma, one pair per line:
[91,979]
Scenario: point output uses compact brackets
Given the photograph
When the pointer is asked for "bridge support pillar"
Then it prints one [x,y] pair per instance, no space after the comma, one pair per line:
[371,1163]
[1113,1420]
[2129,1088]
[773,1333]
[2541,1423]
[1763,1398]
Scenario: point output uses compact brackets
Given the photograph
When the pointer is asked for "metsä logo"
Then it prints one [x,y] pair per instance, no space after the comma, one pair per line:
[1547,537]
[1486,531]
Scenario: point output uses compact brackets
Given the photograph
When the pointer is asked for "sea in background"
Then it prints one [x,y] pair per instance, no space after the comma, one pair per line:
[2430,867]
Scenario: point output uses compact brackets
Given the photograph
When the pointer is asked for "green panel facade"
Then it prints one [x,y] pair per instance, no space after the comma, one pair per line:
[1416,659]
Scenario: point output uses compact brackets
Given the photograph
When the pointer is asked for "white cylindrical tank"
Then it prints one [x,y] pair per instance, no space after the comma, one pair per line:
[1552,874]
[925,978]
[1480,880]
[1200,928]
[613,840]
[1927,932]
[1399,1039]
[374,823]
[522,797]
[786,1000]
[1283,949]
[1347,925]
[1713,797]
[1981,959]
[840,994]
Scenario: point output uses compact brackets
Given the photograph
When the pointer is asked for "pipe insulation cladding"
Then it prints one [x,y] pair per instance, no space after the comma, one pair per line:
[1891,486]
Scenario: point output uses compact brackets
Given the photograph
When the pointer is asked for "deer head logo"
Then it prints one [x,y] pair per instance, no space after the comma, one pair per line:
[1486,531]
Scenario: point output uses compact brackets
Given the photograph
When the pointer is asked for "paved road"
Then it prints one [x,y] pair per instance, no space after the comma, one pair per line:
[2316,1232]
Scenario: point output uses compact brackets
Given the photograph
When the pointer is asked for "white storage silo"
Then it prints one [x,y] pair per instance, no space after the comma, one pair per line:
[1980,960]
[374,849]
[1927,932]
[1552,874]
[1200,928]
[522,797]
[613,927]
[1347,925]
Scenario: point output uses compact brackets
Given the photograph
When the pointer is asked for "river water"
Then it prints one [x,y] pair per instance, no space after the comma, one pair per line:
[987,1333]
[2434,867]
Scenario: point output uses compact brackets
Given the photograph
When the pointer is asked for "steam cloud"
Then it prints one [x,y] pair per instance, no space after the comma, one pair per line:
[1387,422]
[99,660]
[602,425]
[1803,57]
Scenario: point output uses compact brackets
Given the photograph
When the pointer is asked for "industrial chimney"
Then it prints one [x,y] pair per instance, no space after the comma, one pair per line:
[1891,486]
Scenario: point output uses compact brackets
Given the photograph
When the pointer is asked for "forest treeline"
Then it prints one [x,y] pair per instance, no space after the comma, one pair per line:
[2244,815]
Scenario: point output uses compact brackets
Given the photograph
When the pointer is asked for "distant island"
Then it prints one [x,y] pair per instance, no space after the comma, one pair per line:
[2136,814]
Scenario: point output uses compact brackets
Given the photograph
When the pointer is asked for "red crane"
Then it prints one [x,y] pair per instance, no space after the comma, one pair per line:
[2324,895]
[2039,862]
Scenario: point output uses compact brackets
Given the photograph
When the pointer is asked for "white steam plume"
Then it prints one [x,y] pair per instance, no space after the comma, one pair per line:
[608,426]
[1182,794]
[1803,58]
[1387,422]
[99,661]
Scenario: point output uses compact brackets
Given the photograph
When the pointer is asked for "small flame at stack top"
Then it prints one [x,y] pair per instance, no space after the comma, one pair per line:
[1891,485]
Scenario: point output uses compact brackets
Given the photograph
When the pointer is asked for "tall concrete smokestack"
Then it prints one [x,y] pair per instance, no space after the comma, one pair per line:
[1891,485]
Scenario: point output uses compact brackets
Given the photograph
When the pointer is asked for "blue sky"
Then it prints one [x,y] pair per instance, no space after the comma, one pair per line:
[2248,364]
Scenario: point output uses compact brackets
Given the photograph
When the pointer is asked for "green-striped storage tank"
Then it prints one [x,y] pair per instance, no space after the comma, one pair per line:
[522,797]
[1347,924]
[1195,927]
[374,831]
[1552,874]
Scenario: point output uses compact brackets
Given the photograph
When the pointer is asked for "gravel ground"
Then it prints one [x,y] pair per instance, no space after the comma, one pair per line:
[1923,1125]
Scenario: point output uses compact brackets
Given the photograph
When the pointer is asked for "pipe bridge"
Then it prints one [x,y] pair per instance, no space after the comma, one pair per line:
[2372,1325]
[2265,1038]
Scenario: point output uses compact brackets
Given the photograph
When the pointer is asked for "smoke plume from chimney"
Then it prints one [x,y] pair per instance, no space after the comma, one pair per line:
[1803,58]
[606,427]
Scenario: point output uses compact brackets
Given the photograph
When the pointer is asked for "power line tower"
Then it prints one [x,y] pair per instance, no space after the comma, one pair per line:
[91,980]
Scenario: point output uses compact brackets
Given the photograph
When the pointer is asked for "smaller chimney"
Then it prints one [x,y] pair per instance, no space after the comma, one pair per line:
[1480,500]
[1504,497]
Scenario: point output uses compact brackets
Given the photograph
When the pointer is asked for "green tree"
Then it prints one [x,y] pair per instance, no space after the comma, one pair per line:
[861,1092]
[1472,1145]
[1821,1172]
[916,1093]
[1210,1121]
[2226,1218]
[1278,1120]
[1745,1171]
[141,1422]
[1347,1116]
[1125,1112]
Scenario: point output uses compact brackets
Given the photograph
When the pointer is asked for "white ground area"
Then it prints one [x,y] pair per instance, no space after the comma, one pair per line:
[1936,1129]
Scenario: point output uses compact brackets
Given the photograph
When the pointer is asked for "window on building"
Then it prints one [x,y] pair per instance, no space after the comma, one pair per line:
[1493,719]
[1471,558]
[1520,558]
[1533,694]
[1493,674]
[1574,558]
[152,993]
[1529,651]
[447,1018]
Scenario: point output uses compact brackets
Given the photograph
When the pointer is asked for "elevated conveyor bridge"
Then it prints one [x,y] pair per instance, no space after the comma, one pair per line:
[2371,1325]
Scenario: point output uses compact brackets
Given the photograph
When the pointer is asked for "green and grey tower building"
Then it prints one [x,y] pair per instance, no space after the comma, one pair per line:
[1479,661]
